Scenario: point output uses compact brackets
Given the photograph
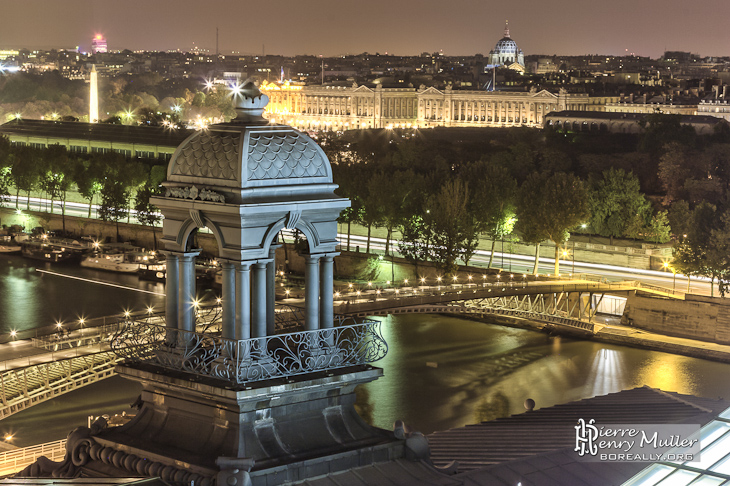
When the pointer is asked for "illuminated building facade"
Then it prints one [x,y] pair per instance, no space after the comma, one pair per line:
[98,44]
[342,108]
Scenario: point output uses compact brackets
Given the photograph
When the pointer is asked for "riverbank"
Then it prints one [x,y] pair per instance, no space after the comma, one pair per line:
[613,332]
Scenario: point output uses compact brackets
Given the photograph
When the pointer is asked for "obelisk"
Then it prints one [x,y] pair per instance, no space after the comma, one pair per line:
[93,96]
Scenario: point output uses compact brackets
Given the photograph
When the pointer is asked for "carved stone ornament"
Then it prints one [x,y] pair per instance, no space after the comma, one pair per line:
[292,219]
[193,192]
[82,448]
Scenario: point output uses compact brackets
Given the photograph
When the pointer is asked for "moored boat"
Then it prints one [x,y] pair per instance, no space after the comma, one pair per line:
[122,258]
[55,250]
[8,245]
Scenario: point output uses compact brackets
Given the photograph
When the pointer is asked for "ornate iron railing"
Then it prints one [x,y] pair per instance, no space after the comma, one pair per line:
[350,343]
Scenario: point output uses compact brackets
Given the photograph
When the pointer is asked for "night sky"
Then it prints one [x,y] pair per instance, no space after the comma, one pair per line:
[338,27]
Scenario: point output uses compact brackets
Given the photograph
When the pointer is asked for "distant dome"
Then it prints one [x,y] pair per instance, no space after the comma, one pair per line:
[506,52]
[506,46]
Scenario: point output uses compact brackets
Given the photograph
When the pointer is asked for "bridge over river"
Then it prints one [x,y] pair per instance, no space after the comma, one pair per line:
[571,304]
[41,368]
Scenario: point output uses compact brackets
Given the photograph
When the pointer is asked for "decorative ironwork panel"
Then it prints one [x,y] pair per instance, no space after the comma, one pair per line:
[242,361]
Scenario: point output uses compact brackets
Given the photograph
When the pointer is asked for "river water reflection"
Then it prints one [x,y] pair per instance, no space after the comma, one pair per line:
[443,372]
[440,372]
[30,299]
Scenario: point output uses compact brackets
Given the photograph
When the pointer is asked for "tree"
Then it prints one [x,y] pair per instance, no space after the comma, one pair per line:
[371,214]
[549,206]
[415,243]
[6,166]
[88,177]
[24,172]
[679,218]
[391,192]
[349,176]
[613,200]
[450,226]
[674,171]
[704,252]
[660,130]
[492,201]
[147,213]
[114,201]
[56,176]
[658,230]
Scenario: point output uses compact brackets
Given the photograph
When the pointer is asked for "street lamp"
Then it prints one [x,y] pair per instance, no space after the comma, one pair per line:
[674,275]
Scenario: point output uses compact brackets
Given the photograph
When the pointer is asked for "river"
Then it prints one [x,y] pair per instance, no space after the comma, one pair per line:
[440,372]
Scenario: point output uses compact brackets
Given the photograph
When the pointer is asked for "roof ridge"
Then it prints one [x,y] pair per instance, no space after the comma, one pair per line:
[677,396]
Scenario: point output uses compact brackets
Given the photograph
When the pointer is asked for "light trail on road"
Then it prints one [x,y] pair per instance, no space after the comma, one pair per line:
[100,282]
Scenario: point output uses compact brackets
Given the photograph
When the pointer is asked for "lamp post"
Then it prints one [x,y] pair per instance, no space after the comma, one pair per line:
[674,276]
[573,255]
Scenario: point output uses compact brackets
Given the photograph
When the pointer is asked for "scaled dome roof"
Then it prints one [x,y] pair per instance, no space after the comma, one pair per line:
[248,152]
[505,44]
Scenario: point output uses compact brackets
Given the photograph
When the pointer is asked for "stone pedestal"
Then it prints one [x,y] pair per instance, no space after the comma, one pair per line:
[304,427]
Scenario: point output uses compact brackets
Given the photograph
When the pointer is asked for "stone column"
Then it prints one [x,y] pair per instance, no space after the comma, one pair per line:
[228,301]
[243,300]
[186,310]
[172,289]
[258,300]
[271,291]
[311,289]
[326,291]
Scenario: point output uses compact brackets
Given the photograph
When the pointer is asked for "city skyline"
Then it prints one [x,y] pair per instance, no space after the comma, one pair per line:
[407,27]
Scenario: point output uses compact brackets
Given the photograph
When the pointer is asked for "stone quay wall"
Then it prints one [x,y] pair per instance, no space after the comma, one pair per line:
[697,317]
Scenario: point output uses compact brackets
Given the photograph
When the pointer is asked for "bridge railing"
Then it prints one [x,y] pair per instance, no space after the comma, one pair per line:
[16,460]
[350,343]
[460,290]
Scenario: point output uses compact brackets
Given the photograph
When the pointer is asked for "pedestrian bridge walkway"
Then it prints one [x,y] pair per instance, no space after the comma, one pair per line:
[571,303]
[24,387]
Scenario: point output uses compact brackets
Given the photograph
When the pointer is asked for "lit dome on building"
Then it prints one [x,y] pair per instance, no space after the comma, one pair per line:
[506,51]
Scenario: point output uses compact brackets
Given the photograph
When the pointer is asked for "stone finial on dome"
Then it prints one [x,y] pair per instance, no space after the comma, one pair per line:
[506,28]
[250,103]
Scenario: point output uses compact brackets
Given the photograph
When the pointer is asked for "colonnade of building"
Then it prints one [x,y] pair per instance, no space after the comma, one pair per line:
[336,107]
[248,294]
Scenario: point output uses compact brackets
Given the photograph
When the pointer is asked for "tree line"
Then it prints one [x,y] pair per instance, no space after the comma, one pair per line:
[442,207]
[118,183]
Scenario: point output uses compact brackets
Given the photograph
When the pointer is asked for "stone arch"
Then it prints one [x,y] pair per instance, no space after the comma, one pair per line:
[190,225]
[309,231]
